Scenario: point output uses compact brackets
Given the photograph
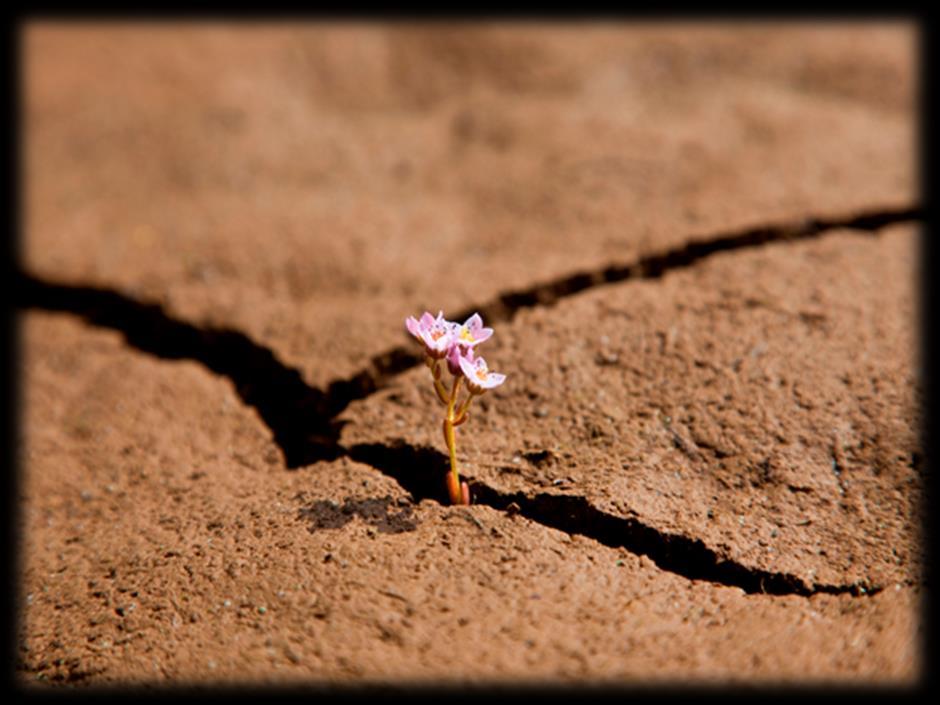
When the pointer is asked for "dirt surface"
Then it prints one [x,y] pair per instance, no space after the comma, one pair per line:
[698,246]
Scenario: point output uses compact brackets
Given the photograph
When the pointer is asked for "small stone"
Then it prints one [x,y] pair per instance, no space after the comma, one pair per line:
[262,610]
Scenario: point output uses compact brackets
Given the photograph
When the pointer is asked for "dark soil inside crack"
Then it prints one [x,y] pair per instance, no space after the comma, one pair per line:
[700,467]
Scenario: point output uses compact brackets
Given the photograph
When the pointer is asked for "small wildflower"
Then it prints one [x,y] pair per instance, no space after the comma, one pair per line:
[455,343]
[472,332]
[437,334]
[479,378]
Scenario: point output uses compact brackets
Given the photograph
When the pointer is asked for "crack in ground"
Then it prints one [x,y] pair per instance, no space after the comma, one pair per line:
[656,265]
[303,419]
[382,368]
[419,471]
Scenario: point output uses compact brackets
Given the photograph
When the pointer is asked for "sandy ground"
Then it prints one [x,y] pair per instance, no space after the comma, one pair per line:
[698,246]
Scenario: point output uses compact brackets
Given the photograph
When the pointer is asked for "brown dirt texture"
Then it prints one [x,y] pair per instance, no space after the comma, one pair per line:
[698,245]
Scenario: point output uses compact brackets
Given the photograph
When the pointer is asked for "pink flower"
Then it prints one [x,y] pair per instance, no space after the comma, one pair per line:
[437,334]
[455,355]
[479,378]
[472,332]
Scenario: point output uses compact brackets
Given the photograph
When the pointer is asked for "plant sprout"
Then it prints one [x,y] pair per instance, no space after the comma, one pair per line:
[455,344]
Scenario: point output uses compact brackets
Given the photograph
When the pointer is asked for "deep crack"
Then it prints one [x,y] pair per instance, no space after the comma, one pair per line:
[382,368]
[419,471]
[654,266]
[303,419]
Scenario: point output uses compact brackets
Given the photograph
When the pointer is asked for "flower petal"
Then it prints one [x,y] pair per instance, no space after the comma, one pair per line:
[473,323]
[494,379]
[467,367]
[482,334]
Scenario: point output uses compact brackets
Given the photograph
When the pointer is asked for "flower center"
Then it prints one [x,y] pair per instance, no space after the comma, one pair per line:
[465,334]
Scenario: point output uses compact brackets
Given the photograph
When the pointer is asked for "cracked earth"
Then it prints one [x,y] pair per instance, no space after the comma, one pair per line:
[698,246]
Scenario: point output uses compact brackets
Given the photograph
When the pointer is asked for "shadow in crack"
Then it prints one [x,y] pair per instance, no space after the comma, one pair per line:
[420,471]
[655,265]
[675,553]
[301,417]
